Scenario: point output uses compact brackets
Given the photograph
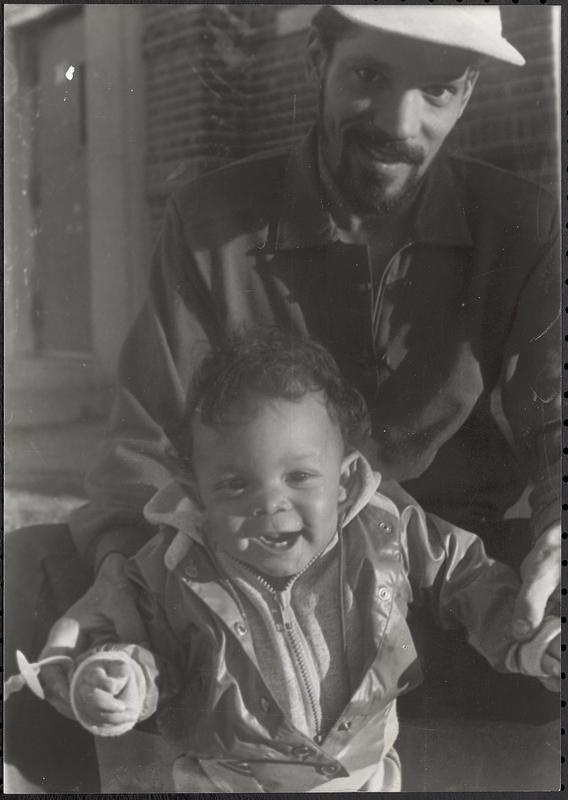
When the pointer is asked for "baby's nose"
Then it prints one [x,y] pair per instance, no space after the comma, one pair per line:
[270,501]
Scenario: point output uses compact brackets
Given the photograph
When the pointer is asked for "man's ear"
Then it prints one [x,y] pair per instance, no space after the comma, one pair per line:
[348,481]
[316,59]
[470,81]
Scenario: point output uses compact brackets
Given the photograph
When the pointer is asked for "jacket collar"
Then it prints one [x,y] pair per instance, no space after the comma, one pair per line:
[304,219]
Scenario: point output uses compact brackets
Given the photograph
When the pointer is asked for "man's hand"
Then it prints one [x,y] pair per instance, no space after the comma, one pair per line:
[109,604]
[540,573]
[551,665]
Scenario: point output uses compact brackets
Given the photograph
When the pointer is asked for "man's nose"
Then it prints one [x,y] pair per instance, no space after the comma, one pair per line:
[398,114]
[270,500]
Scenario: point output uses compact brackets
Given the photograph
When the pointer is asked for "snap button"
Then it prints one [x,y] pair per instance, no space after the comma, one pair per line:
[385,527]
[383,593]
[344,726]
[240,628]
[191,571]
[302,751]
[327,769]
[264,704]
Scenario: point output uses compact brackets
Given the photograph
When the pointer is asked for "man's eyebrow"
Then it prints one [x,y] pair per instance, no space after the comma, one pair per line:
[365,60]
[448,78]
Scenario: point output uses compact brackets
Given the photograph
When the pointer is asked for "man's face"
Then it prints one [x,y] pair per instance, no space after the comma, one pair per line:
[387,104]
[269,481]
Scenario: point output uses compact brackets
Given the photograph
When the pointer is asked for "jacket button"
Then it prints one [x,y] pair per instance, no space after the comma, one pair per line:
[385,527]
[383,593]
[191,571]
[344,726]
[240,628]
[327,769]
[264,704]
[303,751]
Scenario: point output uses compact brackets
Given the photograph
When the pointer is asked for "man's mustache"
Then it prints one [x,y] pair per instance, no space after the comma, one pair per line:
[379,141]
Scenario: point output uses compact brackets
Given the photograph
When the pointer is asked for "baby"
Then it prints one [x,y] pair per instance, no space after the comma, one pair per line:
[276,593]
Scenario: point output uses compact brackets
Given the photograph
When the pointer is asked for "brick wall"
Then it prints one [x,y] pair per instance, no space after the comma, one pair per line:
[200,63]
[227,81]
[511,120]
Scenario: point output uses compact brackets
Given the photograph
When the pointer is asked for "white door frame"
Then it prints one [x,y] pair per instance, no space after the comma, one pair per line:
[56,389]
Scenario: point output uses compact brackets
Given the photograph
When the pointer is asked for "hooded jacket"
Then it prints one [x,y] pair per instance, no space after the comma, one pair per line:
[212,693]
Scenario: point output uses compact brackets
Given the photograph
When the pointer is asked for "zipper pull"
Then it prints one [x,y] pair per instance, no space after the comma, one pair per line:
[285,602]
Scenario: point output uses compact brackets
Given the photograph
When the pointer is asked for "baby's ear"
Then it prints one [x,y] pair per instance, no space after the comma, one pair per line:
[348,481]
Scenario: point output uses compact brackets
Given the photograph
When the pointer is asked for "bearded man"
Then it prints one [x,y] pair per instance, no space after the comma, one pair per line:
[433,279]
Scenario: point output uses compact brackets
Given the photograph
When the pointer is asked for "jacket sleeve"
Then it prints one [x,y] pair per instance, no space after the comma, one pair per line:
[155,368]
[531,382]
[162,656]
[449,572]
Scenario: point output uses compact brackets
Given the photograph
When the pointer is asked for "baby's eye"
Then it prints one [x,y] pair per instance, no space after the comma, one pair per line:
[300,476]
[231,486]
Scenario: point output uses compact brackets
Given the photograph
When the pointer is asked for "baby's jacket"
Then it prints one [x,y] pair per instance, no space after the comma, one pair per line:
[228,718]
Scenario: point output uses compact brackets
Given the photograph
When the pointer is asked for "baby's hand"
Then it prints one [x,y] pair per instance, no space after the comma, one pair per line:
[107,693]
[551,665]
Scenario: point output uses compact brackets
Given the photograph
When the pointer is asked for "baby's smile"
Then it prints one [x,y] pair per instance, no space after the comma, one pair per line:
[279,541]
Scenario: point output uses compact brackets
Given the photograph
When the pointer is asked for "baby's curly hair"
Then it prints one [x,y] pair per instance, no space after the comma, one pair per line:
[275,363]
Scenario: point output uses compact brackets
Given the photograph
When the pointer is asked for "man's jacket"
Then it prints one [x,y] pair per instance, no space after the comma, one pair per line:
[215,705]
[456,348]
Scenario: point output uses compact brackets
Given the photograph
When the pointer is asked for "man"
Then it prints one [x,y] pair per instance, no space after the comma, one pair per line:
[432,279]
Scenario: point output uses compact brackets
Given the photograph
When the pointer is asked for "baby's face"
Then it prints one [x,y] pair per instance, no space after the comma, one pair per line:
[269,481]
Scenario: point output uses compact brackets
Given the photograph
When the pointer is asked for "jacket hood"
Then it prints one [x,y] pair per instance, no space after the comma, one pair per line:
[172,507]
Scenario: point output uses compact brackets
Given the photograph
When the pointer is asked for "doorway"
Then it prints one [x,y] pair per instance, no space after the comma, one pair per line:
[61,291]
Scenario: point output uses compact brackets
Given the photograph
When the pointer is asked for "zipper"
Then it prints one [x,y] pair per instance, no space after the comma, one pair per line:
[293,578]
[303,669]
[288,628]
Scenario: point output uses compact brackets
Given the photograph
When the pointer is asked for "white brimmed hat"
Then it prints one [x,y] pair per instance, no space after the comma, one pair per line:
[475,28]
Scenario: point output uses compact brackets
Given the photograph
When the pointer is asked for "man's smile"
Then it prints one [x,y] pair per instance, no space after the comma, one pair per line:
[383,162]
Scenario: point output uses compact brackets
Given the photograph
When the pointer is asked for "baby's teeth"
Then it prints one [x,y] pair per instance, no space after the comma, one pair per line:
[274,542]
